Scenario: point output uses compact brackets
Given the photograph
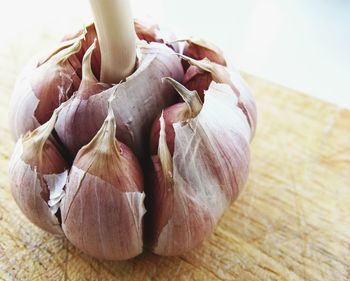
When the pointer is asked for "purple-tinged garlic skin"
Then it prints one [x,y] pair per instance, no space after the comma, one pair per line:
[208,170]
[198,48]
[35,175]
[42,87]
[172,114]
[197,79]
[102,212]
[177,113]
[138,101]
[202,72]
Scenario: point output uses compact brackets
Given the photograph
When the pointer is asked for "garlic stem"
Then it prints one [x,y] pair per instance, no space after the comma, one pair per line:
[87,71]
[191,98]
[116,34]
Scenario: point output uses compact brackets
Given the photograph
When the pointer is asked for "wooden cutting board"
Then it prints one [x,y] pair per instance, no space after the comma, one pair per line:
[292,221]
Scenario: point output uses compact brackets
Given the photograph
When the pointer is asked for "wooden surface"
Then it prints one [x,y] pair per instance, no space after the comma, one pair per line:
[292,221]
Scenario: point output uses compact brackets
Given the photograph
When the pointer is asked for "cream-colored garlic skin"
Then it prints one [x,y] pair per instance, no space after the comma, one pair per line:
[37,178]
[208,170]
[102,212]
[138,101]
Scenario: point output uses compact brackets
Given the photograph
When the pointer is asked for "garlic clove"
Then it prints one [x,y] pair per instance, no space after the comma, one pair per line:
[42,88]
[179,222]
[70,122]
[55,81]
[179,112]
[38,175]
[136,105]
[200,74]
[207,171]
[147,30]
[151,32]
[198,48]
[90,36]
[102,212]
[173,114]
[197,79]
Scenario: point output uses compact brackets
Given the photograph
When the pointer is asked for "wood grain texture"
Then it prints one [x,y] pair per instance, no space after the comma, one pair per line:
[292,221]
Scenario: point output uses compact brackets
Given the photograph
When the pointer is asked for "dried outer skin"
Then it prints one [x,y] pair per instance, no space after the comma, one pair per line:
[199,49]
[246,98]
[103,208]
[199,80]
[147,31]
[210,167]
[85,44]
[171,115]
[32,101]
[58,81]
[32,185]
[139,100]
[151,32]
[23,104]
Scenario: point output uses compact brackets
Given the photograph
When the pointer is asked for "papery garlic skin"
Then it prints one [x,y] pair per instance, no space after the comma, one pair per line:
[202,72]
[197,79]
[209,168]
[198,48]
[102,212]
[41,88]
[172,114]
[151,32]
[102,221]
[138,101]
[189,108]
[90,35]
[33,181]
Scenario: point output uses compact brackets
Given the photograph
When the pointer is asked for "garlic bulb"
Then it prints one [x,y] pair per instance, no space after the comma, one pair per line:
[152,122]
[103,208]
[38,174]
[43,87]
[207,171]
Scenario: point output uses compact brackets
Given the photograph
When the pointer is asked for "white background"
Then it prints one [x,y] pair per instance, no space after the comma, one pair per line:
[304,45]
